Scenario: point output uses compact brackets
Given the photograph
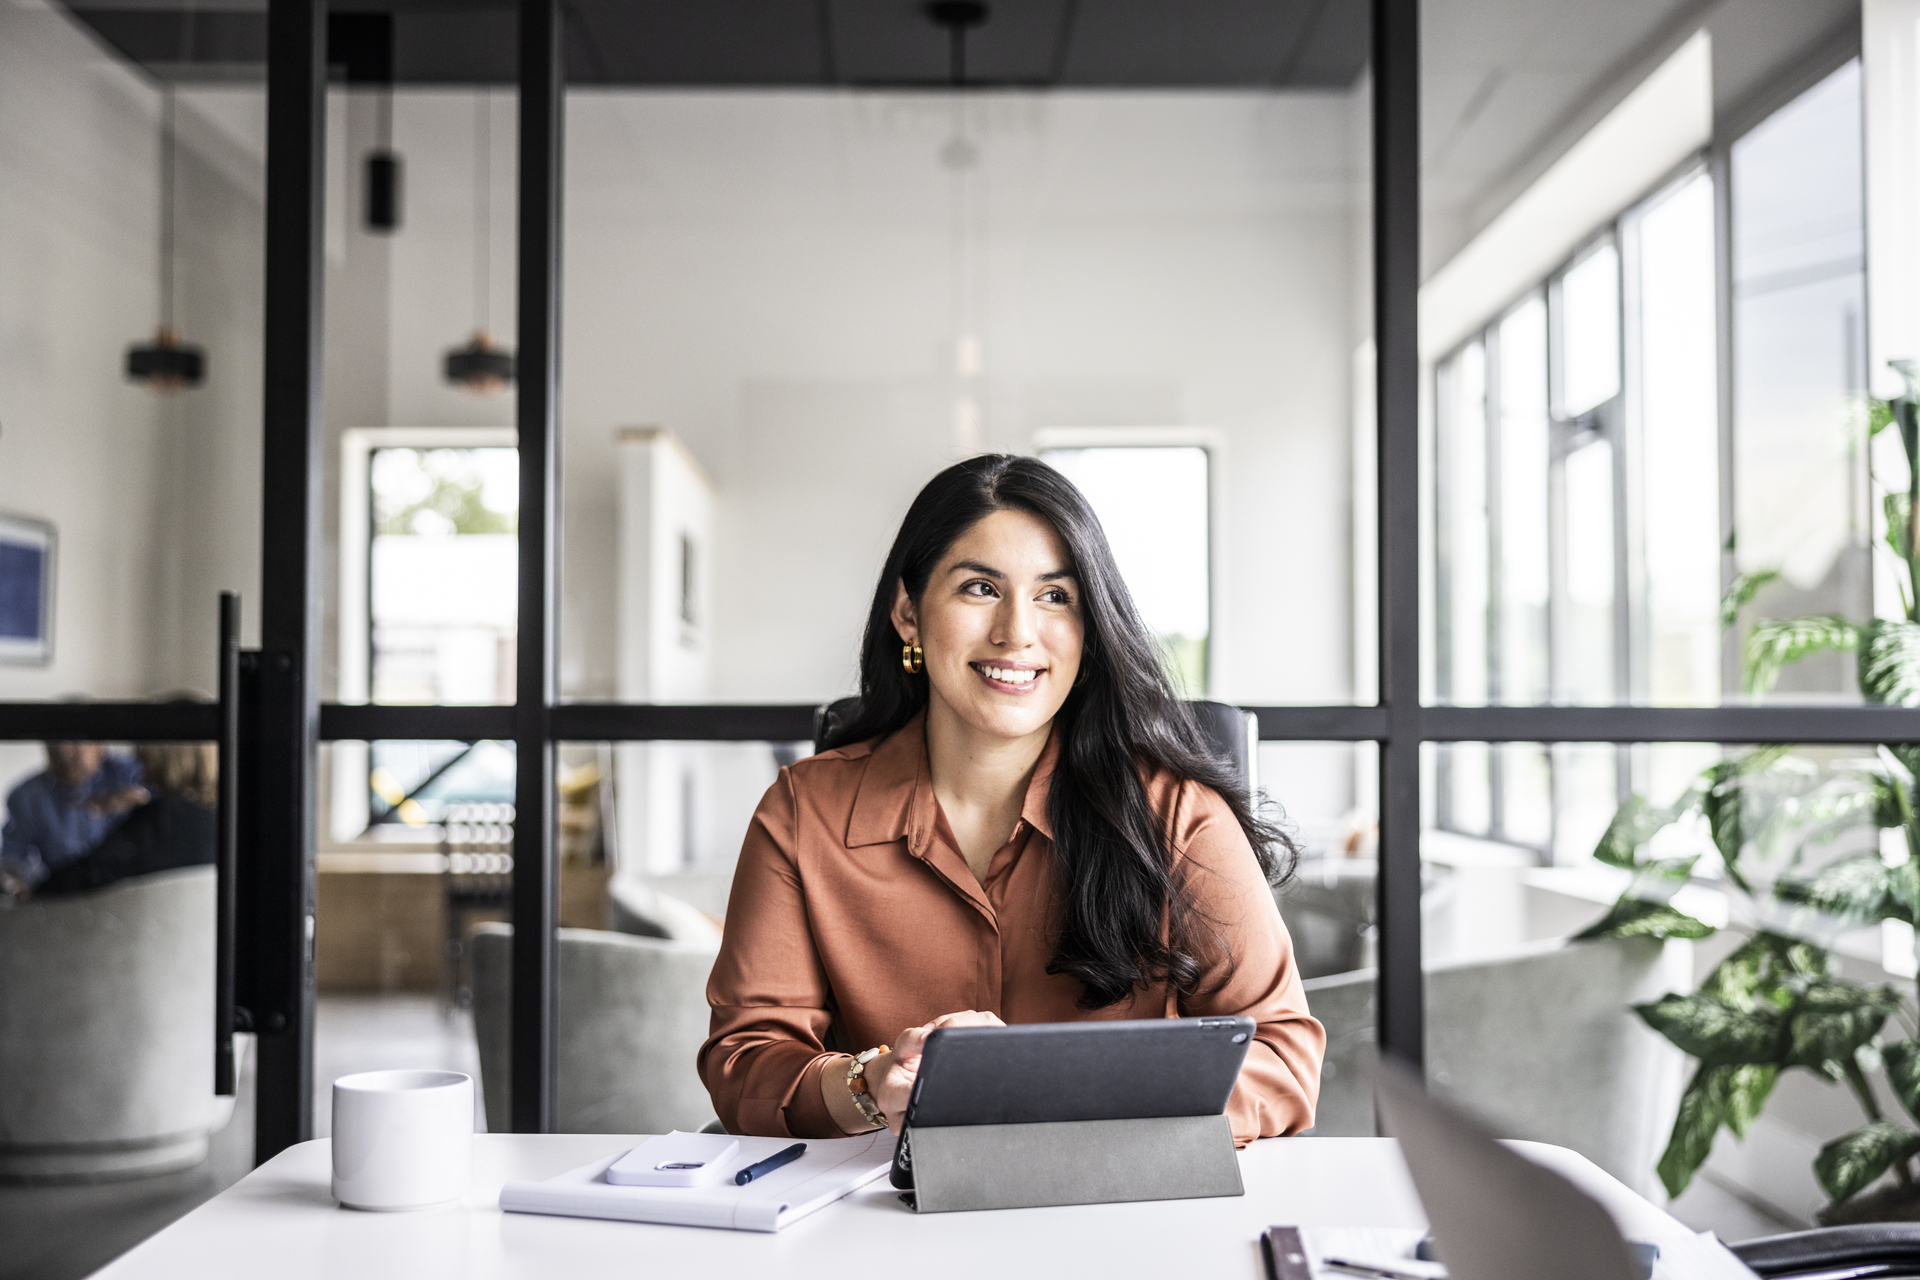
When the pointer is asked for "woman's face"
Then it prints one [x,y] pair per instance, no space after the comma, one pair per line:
[1001,624]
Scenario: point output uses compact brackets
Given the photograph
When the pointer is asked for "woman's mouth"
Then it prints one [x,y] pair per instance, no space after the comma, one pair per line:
[1009,679]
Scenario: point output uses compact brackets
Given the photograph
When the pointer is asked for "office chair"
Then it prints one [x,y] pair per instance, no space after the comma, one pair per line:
[1877,1249]
[1233,734]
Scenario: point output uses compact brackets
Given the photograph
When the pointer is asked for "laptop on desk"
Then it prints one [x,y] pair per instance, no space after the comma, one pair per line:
[1495,1214]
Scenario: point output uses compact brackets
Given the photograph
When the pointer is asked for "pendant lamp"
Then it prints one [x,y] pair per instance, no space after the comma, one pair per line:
[166,364]
[481,366]
[383,171]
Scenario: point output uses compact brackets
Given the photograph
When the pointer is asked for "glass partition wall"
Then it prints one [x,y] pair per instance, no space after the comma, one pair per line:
[131,231]
[1662,515]
[789,300]
[786,306]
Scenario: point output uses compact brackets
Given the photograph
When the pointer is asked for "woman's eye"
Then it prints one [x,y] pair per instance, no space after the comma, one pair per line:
[978,587]
[1057,596]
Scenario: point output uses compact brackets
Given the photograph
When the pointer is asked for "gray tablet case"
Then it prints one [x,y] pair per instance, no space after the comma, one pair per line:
[1074,1113]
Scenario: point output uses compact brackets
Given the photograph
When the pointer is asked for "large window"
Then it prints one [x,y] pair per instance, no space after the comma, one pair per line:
[1578,508]
[1152,502]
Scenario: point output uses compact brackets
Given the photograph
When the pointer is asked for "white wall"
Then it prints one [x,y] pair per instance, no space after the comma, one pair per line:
[154,499]
[771,276]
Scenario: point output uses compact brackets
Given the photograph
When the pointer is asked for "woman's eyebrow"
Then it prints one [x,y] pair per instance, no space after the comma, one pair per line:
[988,571]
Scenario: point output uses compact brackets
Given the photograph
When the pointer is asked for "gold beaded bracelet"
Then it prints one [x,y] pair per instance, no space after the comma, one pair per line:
[862,1094]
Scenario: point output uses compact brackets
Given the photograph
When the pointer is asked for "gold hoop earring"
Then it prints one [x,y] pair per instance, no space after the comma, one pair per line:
[913,658]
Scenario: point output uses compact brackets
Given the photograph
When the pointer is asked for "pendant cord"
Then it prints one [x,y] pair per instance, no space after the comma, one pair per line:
[483,211]
[166,207]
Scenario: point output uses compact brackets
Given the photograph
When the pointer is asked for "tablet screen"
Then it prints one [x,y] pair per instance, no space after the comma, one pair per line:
[1051,1071]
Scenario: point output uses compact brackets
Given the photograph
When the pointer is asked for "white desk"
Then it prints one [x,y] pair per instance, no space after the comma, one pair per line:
[280,1222]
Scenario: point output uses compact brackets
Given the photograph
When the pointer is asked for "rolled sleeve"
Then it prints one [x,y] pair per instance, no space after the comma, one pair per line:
[1248,968]
[772,1004]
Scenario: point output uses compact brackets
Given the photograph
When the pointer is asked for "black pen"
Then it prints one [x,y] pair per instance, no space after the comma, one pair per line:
[761,1168]
[1370,1269]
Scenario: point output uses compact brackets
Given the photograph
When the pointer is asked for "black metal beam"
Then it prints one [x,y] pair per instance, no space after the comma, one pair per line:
[280,877]
[109,722]
[1672,724]
[618,722]
[366,723]
[1321,724]
[536,870]
[792,722]
[1401,1024]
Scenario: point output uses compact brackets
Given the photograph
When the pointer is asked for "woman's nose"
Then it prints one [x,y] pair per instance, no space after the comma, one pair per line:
[1013,624]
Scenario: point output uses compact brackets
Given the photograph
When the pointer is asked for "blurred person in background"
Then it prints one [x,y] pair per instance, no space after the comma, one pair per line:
[62,813]
[175,827]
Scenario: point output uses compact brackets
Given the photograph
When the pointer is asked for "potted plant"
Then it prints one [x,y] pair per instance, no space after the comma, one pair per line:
[1777,1002]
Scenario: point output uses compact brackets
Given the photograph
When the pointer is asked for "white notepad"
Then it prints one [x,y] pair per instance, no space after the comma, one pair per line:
[832,1168]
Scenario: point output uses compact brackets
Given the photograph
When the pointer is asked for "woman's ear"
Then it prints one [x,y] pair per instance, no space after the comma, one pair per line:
[905,620]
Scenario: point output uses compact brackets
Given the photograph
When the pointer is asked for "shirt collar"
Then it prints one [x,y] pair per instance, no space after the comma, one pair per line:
[895,799]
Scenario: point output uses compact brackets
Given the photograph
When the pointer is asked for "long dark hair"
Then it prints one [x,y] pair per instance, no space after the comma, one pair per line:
[1119,889]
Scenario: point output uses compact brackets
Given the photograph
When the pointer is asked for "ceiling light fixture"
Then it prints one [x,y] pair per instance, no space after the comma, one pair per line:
[166,364]
[481,366]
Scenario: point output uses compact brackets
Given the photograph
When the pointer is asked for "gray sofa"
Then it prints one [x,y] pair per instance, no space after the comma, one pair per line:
[1539,1042]
[633,1014]
[106,1031]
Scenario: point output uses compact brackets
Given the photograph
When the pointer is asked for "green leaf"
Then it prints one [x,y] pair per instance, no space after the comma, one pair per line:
[1902,1059]
[1634,823]
[1833,1020]
[1729,1095]
[1768,967]
[1635,918]
[1879,416]
[1723,804]
[1717,1033]
[1851,1162]
[1748,1087]
[1856,888]
[1740,593]
[1703,1109]
[1772,645]
[1889,663]
[1890,801]
[1899,509]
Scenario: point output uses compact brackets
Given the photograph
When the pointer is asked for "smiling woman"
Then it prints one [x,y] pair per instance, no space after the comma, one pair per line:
[1020,824]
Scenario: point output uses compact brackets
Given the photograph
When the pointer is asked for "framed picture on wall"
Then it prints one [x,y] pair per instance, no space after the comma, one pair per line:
[26,591]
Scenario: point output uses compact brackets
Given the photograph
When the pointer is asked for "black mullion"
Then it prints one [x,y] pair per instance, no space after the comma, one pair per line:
[1490,411]
[1396,288]
[277,881]
[535,867]
[1446,428]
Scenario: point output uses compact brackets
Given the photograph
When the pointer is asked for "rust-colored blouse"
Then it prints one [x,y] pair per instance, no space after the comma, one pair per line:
[853,910]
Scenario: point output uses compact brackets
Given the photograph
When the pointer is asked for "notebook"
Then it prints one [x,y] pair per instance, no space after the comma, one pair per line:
[831,1168]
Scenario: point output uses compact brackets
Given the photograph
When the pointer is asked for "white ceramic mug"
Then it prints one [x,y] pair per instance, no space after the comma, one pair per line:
[402,1139]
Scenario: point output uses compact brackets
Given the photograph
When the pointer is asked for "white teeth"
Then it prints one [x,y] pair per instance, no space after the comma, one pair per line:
[1006,676]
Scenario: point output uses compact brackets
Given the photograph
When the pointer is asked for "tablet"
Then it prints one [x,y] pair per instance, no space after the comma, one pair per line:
[1047,1071]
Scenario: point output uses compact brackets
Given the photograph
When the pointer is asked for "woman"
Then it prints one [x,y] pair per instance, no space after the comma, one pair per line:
[1020,824]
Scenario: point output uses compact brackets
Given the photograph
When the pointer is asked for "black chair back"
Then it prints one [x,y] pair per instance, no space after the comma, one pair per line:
[1233,734]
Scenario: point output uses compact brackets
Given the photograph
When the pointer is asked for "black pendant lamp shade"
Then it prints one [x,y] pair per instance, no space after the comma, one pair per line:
[166,364]
[480,366]
[383,191]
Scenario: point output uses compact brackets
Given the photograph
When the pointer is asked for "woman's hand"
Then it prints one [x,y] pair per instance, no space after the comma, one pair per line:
[891,1075]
